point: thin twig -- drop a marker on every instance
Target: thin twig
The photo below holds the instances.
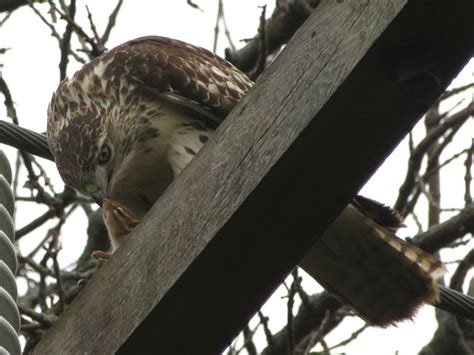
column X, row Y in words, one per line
column 65, row 42
column 194, row 5
column 468, row 175
column 318, row 334
column 417, row 222
column 351, row 338
column 86, row 207
column 435, row 119
column 7, row 16
column 96, row 50
column 56, row 205
column 455, row 91
column 249, row 345
column 290, row 317
column 432, row 165
column 286, row 18
column 460, row 274
column 263, row 47
column 28, row 327
column 111, row 23
column 20, row 233
column 39, row 246
column 449, row 160
column 42, row 269
column 16, row 176
column 63, row 5
column 266, row 329
column 434, row 203
column 457, row 244
column 11, row 112
column 227, row 31
column 325, row 347
column 35, row 266
column 54, row 33
column 216, row 27
column 57, row 274
column 53, row 231
column 93, row 28
column 42, row 318
column 44, row 175
column 416, row 158
column 42, row 287
column 447, row 232
column 221, row 17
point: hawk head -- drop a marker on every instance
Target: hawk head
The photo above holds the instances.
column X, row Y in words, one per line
column 112, row 126
column 93, row 130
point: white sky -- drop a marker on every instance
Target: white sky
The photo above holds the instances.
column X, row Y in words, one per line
column 31, row 70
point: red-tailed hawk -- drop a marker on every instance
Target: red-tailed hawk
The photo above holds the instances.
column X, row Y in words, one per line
column 131, row 120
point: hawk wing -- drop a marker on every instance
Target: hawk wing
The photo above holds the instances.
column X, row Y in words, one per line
column 184, row 74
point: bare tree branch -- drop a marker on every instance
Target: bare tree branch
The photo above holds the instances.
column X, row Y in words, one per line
column 468, row 175
column 65, row 43
column 112, row 21
column 447, row 232
column 285, row 20
column 193, row 5
column 420, row 151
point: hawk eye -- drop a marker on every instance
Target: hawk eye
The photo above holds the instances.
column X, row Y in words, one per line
column 104, row 155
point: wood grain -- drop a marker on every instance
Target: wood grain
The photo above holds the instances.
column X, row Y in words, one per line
column 277, row 172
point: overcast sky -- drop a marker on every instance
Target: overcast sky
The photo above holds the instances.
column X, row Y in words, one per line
column 30, row 68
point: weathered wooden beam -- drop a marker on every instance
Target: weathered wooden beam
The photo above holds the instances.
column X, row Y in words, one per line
column 277, row 172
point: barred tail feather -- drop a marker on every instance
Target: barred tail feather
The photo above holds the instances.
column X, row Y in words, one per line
column 383, row 278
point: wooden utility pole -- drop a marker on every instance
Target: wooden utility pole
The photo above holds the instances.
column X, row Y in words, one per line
column 286, row 161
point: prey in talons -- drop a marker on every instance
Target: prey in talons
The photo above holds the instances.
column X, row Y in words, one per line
column 120, row 221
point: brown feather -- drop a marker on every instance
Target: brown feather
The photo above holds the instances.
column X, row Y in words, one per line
column 383, row 278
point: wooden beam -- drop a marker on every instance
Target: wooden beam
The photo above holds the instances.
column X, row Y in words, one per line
column 238, row 219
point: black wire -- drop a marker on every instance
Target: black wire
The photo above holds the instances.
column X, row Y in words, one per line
column 25, row 140
column 456, row 302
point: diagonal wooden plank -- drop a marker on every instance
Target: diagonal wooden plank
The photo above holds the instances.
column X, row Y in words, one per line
column 278, row 171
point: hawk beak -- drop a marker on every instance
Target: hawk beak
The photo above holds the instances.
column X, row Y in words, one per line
column 98, row 199
column 96, row 194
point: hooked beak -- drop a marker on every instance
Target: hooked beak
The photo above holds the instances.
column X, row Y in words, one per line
column 96, row 194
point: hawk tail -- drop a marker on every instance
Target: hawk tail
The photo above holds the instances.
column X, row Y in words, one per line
column 382, row 277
